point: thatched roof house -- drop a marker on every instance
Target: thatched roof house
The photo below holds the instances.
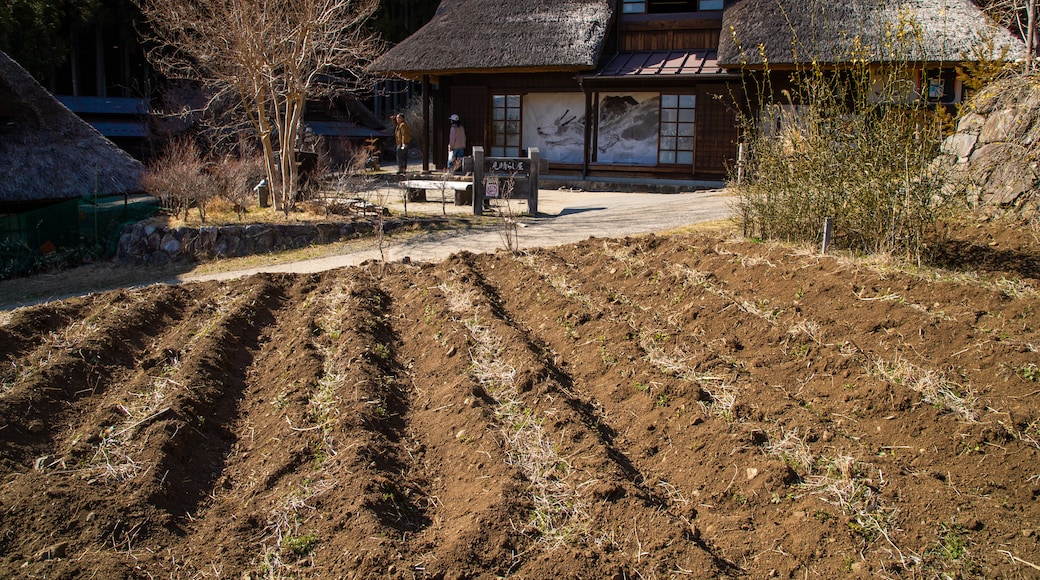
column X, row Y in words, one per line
column 47, row 152
column 489, row 36
column 789, row 32
column 644, row 88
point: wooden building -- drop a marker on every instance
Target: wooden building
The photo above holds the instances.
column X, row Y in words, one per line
column 600, row 87
column 47, row 153
column 642, row 88
column 925, row 39
column 49, row 160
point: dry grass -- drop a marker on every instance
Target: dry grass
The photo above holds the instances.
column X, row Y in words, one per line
column 794, row 451
column 688, row 276
column 558, row 281
column 934, row 387
column 809, row 328
column 560, row 512
column 844, row 483
column 324, row 402
column 284, row 545
column 113, row 458
column 721, row 393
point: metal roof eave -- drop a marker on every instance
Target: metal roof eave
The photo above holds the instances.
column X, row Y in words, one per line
column 665, row 67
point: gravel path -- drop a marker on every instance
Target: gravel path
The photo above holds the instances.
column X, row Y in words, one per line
column 565, row 217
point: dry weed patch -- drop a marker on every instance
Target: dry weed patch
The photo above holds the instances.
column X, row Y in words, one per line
column 558, row 282
column 934, row 387
column 844, row 483
column 793, row 450
column 721, row 393
column 560, row 514
column 284, row 544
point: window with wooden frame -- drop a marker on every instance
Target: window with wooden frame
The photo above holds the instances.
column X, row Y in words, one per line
column 668, row 6
column 940, row 86
column 506, row 128
column 678, row 120
column 633, row 7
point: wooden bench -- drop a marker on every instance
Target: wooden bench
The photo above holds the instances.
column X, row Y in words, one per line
column 417, row 188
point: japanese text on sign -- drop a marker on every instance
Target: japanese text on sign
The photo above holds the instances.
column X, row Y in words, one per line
column 508, row 166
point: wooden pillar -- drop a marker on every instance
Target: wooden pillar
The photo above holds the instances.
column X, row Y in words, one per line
column 586, row 154
column 532, row 179
column 426, row 123
column 478, row 180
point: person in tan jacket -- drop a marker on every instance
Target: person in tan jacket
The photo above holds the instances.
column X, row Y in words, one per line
column 402, row 137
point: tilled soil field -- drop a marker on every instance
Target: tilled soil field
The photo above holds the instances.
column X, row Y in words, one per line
column 690, row 406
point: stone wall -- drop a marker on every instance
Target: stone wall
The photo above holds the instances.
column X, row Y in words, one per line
column 150, row 244
column 994, row 156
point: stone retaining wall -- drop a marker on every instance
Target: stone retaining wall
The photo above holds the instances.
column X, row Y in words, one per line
column 150, row 244
column 994, row 156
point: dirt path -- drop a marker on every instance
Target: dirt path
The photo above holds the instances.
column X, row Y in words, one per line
column 565, row 217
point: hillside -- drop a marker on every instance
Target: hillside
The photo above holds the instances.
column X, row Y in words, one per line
column 679, row 406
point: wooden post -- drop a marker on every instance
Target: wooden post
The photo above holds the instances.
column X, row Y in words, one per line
column 1031, row 39
column 826, row 235
column 426, row 123
column 478, row 180
column 532, row 180
column 740, row 163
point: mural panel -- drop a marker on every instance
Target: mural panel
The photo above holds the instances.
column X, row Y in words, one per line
column 555, row 124
column 628, row 128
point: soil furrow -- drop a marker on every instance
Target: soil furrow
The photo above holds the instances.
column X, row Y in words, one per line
column 659, row 406
column 620, row 480
column 59, row 381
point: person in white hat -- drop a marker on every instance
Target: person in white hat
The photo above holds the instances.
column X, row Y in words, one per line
column 456, row 143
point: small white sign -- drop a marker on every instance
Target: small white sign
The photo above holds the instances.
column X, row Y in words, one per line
column 491, row 190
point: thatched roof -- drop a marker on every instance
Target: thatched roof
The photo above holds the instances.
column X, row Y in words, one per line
column 504, row 36
column 801, row 31
column 47, row 152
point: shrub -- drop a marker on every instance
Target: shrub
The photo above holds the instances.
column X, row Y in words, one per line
column 180, row 179
column 236, row 176
column 855, row 145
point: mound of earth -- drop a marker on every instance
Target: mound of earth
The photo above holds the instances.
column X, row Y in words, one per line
column 655, row 407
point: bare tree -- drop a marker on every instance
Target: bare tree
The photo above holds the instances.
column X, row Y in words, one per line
column 181, row 180
column 272, row 55
column 1020, row 17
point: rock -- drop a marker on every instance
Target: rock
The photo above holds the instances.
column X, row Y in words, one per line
column 971, row 124
column 960, row 145
column 1008, row 182
column 54, row 551
column 170, row 245
column 1002, row 126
